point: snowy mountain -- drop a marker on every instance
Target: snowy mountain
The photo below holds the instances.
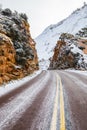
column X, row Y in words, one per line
column 49, row 37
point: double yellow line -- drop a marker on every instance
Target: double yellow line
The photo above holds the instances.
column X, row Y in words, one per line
column 55, row 110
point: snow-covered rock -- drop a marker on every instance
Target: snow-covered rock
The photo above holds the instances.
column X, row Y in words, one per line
column 68, row 54
column 18, row 56
column 49, row 37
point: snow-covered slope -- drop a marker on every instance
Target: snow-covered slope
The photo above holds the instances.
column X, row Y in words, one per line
column 47, row 40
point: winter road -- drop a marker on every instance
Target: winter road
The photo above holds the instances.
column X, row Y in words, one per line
column 53, row 100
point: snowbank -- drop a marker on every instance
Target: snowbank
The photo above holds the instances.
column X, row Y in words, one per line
column 16, row 83
column 77, row 71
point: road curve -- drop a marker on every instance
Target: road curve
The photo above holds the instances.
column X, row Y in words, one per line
column 53, row 100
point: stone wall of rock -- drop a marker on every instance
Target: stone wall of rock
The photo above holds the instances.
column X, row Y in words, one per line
column 68, row 53
column 18, row 56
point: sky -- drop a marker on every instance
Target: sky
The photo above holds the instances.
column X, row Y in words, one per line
column 42, row 13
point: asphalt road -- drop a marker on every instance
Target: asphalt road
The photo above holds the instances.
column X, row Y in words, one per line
column 53, row 100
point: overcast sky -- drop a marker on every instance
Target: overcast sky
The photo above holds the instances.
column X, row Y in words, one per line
column 42, row 13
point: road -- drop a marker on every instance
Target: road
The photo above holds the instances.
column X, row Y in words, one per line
column 53, row 100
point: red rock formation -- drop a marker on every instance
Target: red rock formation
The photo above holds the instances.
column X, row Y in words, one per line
column 18, row 56
column 83, row 43
column 68, row 54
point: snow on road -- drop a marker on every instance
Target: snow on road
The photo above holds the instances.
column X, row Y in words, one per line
column 77, row 71
column 42, row 119
column 13, row 110
column 16, row 83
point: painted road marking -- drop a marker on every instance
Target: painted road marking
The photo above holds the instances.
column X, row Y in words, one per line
column 54, row 117
column 62, row 113
column 55, row 110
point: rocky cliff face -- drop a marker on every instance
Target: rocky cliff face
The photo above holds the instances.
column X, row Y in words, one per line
column 69, row 53
column 18, row 56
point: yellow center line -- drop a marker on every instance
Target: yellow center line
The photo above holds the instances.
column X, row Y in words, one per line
column 62, row 113
column 54, row 117
column 55, row 110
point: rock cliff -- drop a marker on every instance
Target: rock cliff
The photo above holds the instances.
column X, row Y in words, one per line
column 69, row 53
column 18, row 56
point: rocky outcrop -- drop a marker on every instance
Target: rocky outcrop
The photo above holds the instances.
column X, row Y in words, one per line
column 18, row 56
column 82, row 35
column 68, row 53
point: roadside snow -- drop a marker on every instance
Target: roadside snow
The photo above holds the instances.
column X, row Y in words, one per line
column 77, row 71
column 16, row 83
